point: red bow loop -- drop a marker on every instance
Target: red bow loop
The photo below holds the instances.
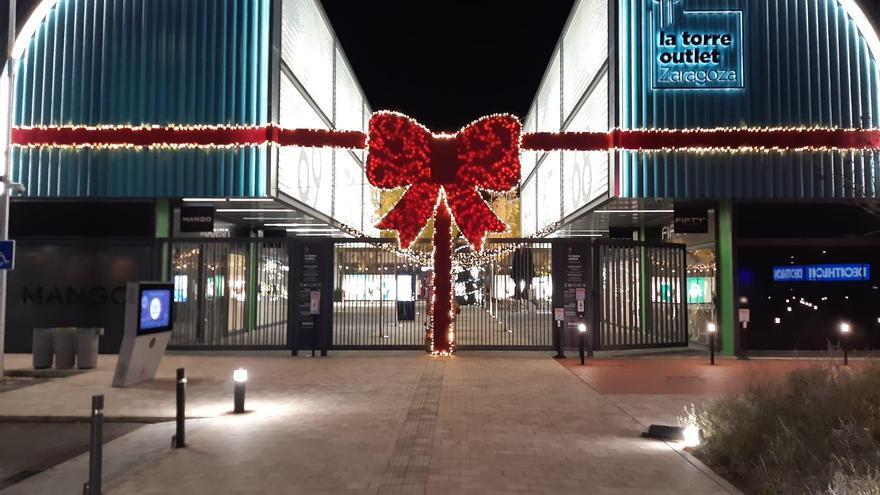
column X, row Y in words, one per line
column 484, row 155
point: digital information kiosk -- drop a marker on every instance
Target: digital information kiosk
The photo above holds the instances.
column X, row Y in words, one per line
column 149, row 320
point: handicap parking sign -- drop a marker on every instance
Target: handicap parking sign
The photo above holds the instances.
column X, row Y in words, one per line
column 7, row 255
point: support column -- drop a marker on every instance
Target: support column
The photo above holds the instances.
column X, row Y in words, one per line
column 644, row 283
column 163, row 232
column 253, row 266
column 725, row 293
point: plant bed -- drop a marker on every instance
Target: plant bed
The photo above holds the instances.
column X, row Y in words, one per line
column 818, row 431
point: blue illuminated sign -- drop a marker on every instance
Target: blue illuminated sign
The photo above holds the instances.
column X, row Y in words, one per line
column 849, row 272
column 696, row 49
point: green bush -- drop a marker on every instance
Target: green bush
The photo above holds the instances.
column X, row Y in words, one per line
column 818, row 431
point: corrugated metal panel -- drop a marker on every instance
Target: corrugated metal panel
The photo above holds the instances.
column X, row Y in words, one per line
column 805, row 65
column 98, row 62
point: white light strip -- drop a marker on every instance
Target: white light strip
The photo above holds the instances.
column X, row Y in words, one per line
column 295, row 225
column 241, row 200
column 30, row 27
column 263, row 219
column 313, row 230
column 866, row 29
column 252, row 210
column 634, row 211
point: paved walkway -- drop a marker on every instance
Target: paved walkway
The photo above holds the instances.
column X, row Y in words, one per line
column 378, row 423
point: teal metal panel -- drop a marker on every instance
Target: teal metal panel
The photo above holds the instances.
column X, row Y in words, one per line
column 804, row 64
column 133, row 62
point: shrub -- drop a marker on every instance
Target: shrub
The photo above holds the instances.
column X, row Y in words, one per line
column 818, row 431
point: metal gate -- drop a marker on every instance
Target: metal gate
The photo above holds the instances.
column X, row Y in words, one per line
column 506, row 302
column 640, row 300
column 230, row 294
column 380, row 298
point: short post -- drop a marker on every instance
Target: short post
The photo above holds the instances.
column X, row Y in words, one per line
column 180, row 436
column 712, row 329
column 582, row 330
column 314, row 333
column 96, row 444
column 240, row 377
column 845, row 331
column 560, row 345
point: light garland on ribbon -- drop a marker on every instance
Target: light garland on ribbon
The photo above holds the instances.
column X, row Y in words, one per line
column 693, row 140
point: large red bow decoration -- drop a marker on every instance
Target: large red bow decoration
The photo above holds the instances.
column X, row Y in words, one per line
column 482, row 156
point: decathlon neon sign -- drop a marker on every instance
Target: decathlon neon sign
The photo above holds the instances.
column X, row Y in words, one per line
column 696, row 49
column 859, row 272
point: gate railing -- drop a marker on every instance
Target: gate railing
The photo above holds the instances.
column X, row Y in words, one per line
column 230, row 293
column 640, row 300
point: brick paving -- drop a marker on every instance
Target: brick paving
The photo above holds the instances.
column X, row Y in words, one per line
column 371, row 423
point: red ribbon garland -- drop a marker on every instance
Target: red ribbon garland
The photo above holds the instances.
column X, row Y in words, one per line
column 196, row 136
column 635, row 140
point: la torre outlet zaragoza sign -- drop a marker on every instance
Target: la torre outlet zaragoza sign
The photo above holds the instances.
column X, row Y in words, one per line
column 696, row 49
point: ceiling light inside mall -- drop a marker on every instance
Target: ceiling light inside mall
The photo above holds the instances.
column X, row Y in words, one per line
column 315, row 225
column 253, row 210
column 634, row 211
column 251, row 200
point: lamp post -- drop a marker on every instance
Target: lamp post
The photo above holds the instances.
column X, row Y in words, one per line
column 240, row 377
column 5, row 182
column 582, row 332
column 712, row 329
column 845, row 331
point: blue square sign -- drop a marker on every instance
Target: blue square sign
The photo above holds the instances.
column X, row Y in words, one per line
column 7, row 255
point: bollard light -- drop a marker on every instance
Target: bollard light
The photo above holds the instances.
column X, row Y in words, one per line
column 712, row 329
column 845, row 331
column 582, row 331
column 240, row 377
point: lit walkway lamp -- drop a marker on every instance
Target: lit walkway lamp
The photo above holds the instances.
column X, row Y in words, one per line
column 240, row 377
column 712, row 329
column 582, row 331
column 845, row 332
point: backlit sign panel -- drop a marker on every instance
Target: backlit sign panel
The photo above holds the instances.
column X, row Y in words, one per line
column 845, row 272
column 696, row 49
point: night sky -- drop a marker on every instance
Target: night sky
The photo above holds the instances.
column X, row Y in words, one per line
column 446, row 62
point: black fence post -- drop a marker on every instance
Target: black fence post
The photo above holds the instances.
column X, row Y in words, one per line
column 179, row 440
column 96, row 444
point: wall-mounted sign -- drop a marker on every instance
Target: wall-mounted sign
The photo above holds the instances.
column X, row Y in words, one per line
column 196, row 218
column 691, row 220
column 847, row 272
column 696, row 49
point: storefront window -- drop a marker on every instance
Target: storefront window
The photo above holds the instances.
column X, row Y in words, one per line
column 700, row 288
column 799, row 295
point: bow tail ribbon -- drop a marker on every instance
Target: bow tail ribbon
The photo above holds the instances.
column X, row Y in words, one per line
column 410, row 215
column 472, row 215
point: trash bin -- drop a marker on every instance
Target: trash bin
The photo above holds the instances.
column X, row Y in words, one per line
column 87, row 347
column 42, row 348
column 64, row 344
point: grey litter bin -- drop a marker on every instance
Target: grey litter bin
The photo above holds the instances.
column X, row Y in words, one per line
column 64, row 343
column 87, row 347
column 42, row 348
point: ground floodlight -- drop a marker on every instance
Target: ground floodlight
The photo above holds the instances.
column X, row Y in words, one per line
column 691, row 436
